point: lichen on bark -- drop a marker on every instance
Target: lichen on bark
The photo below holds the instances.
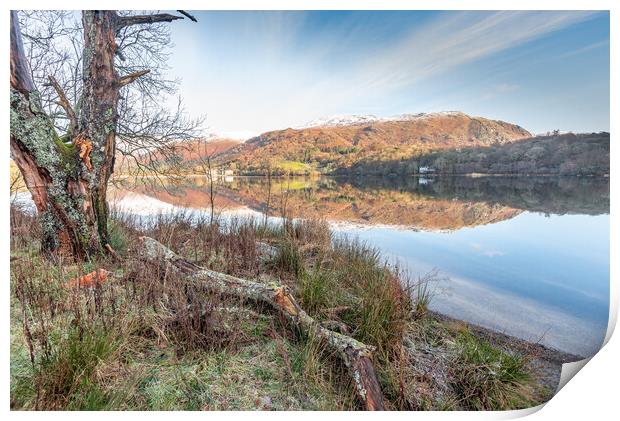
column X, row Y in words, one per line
column 68, row 181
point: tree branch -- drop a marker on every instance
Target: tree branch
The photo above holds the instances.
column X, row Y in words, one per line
column 140, row 19
column 187, row 15
column 21, row 78
column 120, row 55
column 64, row 103
column 125, row 80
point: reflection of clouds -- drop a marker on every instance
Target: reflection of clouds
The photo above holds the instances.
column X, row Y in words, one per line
column 486, row 252
column 516, row 316
column 493, row 253
column 143, row 205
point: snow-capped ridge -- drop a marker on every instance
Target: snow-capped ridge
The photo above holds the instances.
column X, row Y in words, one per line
column 351, row 120
column 340, row 120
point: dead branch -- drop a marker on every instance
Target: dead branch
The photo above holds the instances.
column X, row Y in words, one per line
column 125, row 80
column 64, row 103
column 355, row 355
column 187, row 15
column 142, row 19
column 113, row 253
column 21, row 79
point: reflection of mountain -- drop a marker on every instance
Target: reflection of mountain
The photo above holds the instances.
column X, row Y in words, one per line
column 345, row 204
column 553, row 195
column 194, row 195
column 445, row 203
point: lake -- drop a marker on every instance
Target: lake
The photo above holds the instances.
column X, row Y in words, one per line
column 528, row 256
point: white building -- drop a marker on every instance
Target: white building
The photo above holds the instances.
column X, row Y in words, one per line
column 426, row 170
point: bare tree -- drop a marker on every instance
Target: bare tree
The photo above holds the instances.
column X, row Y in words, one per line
column 83, row 90
column 205, row 161
column 268, row 202
column 284, row 198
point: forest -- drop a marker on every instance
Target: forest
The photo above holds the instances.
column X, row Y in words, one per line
column 562, row 154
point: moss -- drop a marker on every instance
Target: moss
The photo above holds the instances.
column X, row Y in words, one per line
column 69, row 154
column 118, row 236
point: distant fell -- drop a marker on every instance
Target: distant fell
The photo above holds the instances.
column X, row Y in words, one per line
column 340, row 143
column 188, row 156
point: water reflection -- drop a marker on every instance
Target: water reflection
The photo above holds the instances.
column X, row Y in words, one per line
column 446, row 203
column 529, row 256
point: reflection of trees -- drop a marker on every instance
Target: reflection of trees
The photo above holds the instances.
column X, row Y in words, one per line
column 442, row 203
column 555, row 195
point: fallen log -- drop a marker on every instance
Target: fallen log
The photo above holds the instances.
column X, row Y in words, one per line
column 356, row 356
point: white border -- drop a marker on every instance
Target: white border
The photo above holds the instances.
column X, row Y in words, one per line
column 591, row 395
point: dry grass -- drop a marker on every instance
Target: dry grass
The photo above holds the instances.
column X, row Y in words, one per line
column 143, row 341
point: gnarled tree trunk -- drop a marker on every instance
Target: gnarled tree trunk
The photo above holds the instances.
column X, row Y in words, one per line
column 68, row 176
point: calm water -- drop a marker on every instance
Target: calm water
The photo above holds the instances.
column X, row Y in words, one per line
column 527, row 256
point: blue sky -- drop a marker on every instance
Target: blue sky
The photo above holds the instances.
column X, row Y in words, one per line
column 250, row 72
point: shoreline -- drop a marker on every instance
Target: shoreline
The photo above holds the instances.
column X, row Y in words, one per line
column 512, row 342
column 545, row 361
column 352, row 175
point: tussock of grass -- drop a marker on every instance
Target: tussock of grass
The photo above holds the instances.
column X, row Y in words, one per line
column 318, row 291
column 486, row 377
column 65, row 376
column 289, row 259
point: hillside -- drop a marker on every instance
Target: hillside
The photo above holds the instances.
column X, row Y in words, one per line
column 448, row 143
column 180, row 157
column 338, row 145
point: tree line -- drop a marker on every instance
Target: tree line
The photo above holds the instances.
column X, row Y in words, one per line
column 559, row 154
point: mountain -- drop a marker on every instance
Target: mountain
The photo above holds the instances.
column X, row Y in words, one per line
column 187, row 156
column 195, row 150
column 339, row 143
column 348, row 120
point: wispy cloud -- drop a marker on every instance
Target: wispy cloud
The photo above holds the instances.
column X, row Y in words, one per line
column 506, row 87
column 499, row 89
column 456, row 39
column 582, row 50
column 281, row 75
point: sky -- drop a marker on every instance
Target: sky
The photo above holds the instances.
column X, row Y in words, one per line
column 251, row 72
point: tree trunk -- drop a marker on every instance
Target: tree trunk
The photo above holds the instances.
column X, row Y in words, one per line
column 356, row 356
column 68, row 177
